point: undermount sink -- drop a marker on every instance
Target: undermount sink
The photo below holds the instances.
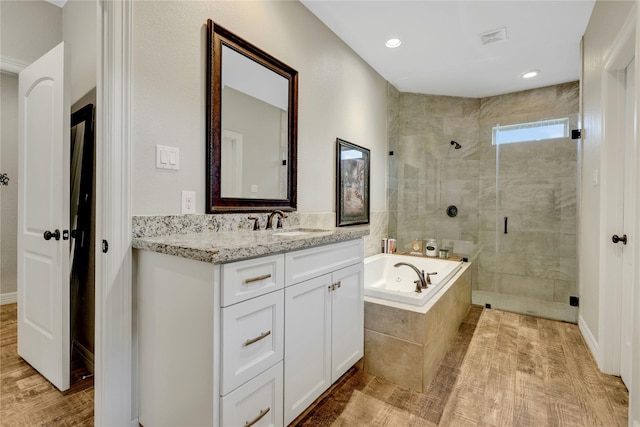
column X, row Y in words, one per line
column 297, row 232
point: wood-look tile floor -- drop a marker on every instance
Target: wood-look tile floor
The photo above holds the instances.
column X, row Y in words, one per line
column 26, row 397
column 503, row 369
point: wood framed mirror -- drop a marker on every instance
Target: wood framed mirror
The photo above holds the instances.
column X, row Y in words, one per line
column 252, row 117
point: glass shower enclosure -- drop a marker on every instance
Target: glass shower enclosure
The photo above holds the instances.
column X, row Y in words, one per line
column 529, row 260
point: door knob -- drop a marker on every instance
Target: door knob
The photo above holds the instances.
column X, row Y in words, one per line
column 615, row 239
column 48, row 235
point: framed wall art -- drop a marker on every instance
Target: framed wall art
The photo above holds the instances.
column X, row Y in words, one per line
column 352, row 184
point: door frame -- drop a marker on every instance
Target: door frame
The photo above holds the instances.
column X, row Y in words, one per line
column 607, row 348
column 115, row 392
column 611, row 194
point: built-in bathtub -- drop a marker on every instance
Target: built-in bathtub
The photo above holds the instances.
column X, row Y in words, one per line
column 405, row 341
column 383, row 280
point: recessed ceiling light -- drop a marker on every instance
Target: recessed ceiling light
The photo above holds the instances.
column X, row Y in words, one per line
column 530, row 74
column 391, row 43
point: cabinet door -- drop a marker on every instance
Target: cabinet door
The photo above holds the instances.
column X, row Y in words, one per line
column 307, row 348
column 347, row 343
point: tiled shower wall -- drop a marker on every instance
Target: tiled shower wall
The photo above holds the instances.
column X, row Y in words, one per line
column 532, row 269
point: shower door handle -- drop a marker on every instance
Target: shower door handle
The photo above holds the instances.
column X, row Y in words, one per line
column 615, row 239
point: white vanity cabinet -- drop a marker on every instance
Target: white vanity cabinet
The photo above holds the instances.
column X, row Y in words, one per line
column 250, row 342
column 324, row 324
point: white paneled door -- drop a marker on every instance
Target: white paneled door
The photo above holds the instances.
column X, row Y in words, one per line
column 43, row 216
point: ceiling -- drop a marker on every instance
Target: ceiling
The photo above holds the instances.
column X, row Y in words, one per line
column 442, row 52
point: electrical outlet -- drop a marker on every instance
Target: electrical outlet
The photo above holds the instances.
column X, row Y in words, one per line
column 188, row 202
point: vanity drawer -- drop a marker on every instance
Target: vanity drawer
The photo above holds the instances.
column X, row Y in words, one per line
column 258, row 402
column 243, row 280
column 306, row 264
column 252, row 339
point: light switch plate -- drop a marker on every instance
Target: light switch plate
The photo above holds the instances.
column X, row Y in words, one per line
column 167, row 157
column 188, row 202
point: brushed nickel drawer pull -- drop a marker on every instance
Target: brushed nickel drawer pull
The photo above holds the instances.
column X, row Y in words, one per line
column 258, row 418
column 338, row 284
column 256, row 339
column 257, row 279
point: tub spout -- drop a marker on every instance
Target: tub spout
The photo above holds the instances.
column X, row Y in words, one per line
column 421, row 283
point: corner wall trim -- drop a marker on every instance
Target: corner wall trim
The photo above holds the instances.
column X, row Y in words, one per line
column 592, row 343
column 12, row 65
column 8, row 298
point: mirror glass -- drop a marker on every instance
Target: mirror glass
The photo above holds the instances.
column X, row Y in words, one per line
column 252, row 135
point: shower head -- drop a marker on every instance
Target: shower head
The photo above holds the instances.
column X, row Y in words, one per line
column 456, row 145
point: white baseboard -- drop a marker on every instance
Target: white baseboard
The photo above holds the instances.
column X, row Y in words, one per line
column 135, row 422
column 8, row 298
column 85, row 355
column 589, row 338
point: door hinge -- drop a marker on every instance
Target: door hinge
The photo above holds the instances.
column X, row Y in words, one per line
column 576, row 133
column 105, row 246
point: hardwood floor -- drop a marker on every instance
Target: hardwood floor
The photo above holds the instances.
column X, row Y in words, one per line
column 503, row 369
column 26, row 397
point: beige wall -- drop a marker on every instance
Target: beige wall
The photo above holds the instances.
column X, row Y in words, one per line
column 339, row 96
column 9, row 194
column 606, row 19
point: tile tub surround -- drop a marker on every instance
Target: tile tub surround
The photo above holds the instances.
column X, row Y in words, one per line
column 405, row 344
column 202, row 243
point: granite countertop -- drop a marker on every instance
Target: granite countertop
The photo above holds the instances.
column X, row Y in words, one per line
column 229, row 246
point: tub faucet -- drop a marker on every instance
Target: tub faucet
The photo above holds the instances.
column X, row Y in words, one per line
column 421, row 283
column 270, row 219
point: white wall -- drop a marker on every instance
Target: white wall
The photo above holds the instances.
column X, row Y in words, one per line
column 28, row 29
column 339, row 96
column 607, row 18
column 79, row 33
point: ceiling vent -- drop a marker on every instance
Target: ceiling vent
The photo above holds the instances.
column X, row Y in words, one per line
column 494, row 36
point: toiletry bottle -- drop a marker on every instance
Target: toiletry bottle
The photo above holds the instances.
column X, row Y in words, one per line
column 432, row 247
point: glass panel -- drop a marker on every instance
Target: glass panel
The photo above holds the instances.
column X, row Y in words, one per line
column 535, row 240
column 533, row 131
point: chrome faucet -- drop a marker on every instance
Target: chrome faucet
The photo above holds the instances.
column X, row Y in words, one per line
column 421, row 283
column 270, row 219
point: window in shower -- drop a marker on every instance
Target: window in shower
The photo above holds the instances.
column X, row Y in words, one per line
column 532, row 131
